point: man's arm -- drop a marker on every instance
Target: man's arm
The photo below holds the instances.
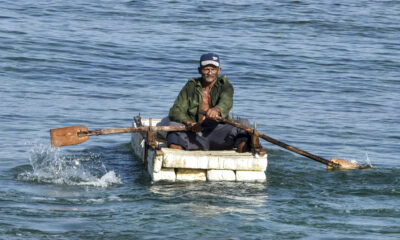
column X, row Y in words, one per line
column 178, row 111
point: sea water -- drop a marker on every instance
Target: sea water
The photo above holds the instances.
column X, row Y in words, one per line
column 320, row 75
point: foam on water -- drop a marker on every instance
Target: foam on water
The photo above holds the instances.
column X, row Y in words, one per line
column 53, row 165
column 106, row 180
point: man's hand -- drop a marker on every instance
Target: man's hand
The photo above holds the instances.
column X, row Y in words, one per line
column 193, row 126
column 213, row 113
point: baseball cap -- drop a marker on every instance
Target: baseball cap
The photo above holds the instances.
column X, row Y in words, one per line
column 209, row 58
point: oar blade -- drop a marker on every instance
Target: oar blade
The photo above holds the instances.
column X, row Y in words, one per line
column 344, row 164
column 67, row 136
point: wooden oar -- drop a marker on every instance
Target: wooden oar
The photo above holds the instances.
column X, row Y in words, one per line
column 334, row 163
column 79, row 134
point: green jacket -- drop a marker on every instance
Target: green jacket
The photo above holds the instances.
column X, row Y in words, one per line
column 189, row 101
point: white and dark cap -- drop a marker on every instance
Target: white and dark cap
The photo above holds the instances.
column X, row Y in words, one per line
column 209, row 58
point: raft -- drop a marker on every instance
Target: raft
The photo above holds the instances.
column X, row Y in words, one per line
column 166, row 164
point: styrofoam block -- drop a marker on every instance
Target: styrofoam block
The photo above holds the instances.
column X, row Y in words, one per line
column 154, row 121
column 221, row 175
column 165, row 174
column 191, row 175
column 138, row 144
column 224, row 160
column 158, row 159
column 150, row 163
column 250, row 176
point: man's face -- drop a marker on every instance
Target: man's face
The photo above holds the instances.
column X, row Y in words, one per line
column 209, row 73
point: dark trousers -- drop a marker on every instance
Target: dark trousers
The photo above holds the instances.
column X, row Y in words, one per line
column 213, row 136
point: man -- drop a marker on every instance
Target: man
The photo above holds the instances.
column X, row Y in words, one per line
column 214, row 95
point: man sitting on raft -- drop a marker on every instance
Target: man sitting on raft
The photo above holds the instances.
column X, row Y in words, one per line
column 211, row 94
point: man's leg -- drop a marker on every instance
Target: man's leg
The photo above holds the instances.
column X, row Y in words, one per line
column 242, row 138
column 225, row 136
column 187, row 140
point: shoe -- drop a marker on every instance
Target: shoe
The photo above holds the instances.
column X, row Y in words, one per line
column 242, row 147
column 175, row 146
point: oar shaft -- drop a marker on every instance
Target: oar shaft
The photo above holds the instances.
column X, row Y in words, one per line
column 79, row 134
column 130, row 130
column 281, row 144
column 297, row 150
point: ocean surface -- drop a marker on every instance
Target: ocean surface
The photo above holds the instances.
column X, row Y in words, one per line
column 323, row 76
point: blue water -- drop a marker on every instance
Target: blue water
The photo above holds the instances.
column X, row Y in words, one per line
column 320, row 75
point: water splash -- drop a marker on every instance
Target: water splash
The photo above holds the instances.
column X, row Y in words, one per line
column 364, row 164
column 53, row 165
column 367, row 160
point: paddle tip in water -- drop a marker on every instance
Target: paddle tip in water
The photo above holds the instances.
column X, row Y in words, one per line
column 345, row 165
